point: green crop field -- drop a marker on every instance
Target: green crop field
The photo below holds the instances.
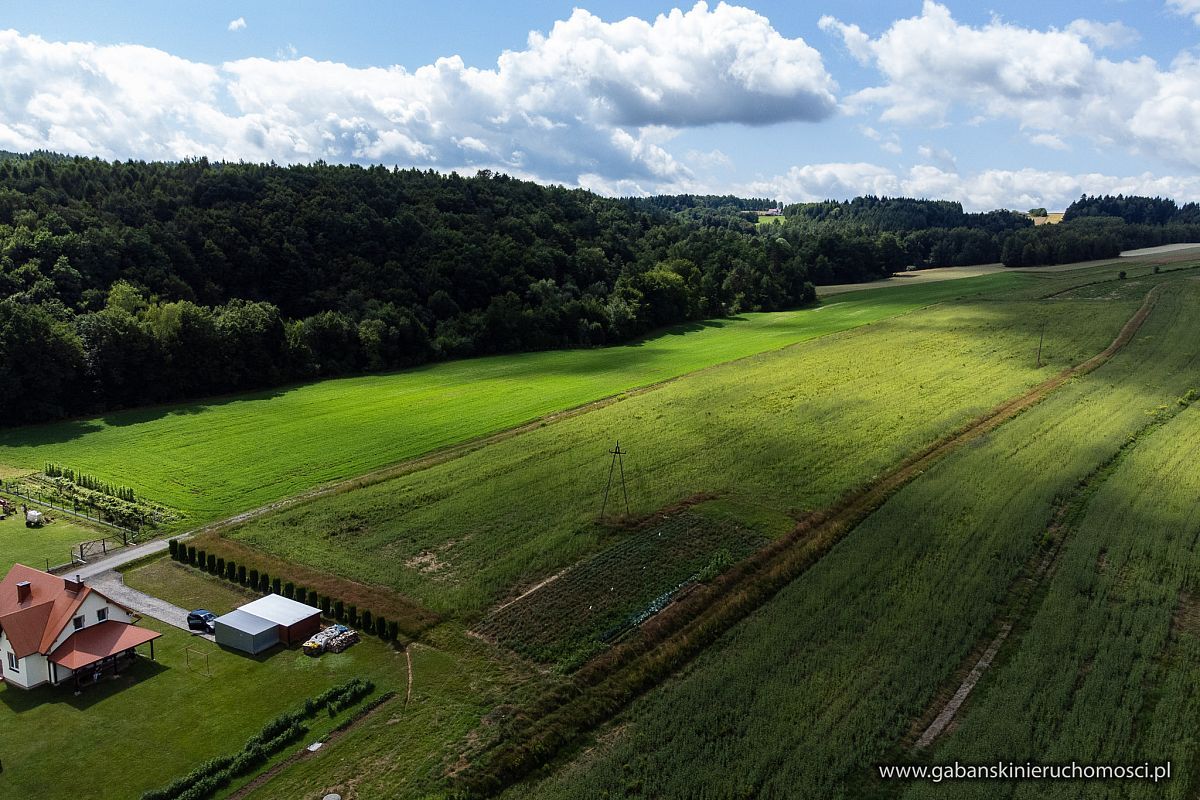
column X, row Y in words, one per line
column 571, row 617
column 1114, row 644
column 213, row 458
column 827, row 679
column 787, row 431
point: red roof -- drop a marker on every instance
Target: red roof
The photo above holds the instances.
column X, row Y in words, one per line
column 92, row 644
column 32, row 625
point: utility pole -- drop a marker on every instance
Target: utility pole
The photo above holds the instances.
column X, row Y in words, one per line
column 1041, row 338
column 618, row 462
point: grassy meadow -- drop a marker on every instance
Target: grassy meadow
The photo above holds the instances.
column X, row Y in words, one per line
column 787, row 431
column 824, row 681
column 213, row 458
column 49, row 545
column 160, row 719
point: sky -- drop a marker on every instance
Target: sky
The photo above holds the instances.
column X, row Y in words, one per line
column 1023, row 106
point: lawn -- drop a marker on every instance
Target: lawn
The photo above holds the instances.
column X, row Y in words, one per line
column 41, row 547
column 187, row 587
column 826, row 679
column 160, row 719
column 216, row 457
column 787, row 431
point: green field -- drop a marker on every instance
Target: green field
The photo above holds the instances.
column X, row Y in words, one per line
column 573, row 616
column 213, row 458
column 1115, row 641
column 162, row 718
column 41, row 547
column 786, row 432
column 827, row 679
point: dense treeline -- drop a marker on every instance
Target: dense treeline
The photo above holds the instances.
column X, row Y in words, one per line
column 129, row 283
column 1093, row 236
column 1133, row 209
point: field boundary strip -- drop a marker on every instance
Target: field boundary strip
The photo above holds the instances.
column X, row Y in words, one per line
column 670, row 640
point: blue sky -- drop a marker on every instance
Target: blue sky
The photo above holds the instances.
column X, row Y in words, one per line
column 994, row 106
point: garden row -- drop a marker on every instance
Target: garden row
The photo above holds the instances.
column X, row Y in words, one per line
column 264, row 583
column 214, row 774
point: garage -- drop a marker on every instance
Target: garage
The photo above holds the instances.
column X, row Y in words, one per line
column 296, row 621
column 246, row 632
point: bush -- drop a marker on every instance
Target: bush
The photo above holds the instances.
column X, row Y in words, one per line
column 339, row 611
column 352, row 616
column 254, row 584
column 191, row 555
column 220, row 570
column 201, row 559
column 264, row 583
column 393, row 630
column 212, row 563
column 1121, row 274
column 313, row 597
column 381, row 624
column 173, row 546
column 325, row 604
column 289, row 590
column 368, row 623
column 276, row 586
column 241, row 575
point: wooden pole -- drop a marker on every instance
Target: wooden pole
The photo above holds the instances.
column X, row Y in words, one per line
column 1041, row 339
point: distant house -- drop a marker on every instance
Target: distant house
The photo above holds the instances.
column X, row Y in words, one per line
column 53, row 629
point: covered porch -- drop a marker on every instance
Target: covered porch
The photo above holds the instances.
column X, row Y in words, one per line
column 92, row 653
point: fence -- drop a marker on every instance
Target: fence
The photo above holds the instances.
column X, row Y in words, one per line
column 128, row 534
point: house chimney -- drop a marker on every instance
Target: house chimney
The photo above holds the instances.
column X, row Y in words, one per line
column 24, row 591
column 73, row 585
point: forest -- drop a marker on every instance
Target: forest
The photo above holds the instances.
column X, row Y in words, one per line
column 131, row 283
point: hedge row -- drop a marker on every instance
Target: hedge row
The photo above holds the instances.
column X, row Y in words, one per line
column 216, row 773
column 262, row 582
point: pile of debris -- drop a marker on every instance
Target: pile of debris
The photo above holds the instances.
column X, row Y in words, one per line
column 333, row 639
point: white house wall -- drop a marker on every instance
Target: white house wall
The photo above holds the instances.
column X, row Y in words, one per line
column 34, row 669
column 91, row 604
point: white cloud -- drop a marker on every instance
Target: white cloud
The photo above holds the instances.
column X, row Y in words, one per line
column 1048, row 81
column 588, row 98
column 1104, row 34
column 237, row 24
column 1188, row 8
column 979, row 191
column 1048, row 140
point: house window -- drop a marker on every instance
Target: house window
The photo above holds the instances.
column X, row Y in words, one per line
column 78, row 622
column 102, row 614
column 13, row 663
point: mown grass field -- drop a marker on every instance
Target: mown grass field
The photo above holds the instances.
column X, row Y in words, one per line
column 828, row 678
column 214, row 458
column 161, row 719
column 787, row 432
column 41, row 547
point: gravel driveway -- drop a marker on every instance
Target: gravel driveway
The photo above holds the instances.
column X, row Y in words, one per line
column 112, row 585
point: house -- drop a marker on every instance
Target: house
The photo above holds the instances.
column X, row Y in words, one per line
column 261, row 624
column 53, row 629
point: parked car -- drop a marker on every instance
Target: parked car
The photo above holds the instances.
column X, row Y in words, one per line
column 201, row 620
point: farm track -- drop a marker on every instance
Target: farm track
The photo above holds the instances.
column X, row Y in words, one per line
column 1032, row 580
column 304, row 753
column 670, row 640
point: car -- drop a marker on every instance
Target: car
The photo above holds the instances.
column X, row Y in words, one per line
column 201, row 620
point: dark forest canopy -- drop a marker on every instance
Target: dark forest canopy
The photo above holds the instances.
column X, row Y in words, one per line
column 129, row 283
column 1133, row 209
